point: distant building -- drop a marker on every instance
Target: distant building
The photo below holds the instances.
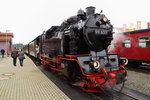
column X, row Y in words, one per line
column 6, row 41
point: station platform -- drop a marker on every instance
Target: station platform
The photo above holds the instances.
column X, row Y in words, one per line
column 26, row 83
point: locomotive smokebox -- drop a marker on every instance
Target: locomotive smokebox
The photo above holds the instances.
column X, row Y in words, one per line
column 90, row 10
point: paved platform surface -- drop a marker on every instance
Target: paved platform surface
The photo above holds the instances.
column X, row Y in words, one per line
column 26, row 83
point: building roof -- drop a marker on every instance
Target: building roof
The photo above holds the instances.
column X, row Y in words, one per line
column 6, row 36
column 136, row 31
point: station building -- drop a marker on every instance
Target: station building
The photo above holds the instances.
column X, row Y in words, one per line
column 6, row 41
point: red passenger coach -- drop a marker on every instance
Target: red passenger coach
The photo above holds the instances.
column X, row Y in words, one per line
column 134, row 45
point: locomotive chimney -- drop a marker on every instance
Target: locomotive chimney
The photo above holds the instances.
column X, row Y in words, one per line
column 90, row 10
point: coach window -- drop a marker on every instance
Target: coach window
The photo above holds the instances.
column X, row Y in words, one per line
column 126, row 43
column 144, row 42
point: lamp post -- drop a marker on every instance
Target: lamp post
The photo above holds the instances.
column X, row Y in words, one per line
column 7, row 31
column 6, row 44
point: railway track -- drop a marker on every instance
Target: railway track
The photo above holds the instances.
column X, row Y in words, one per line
column 141, row 69
column 111, row 94
column 135, row 94
column 125, row 94
column 115, row 95
column 133, row 97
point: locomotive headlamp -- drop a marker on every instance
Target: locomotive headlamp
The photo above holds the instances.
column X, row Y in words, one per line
column 105, row 19
column 94, row 64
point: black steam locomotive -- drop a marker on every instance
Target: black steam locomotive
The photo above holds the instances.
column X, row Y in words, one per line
column 78, row 50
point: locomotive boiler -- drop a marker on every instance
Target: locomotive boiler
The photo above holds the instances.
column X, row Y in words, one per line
column 80, row 34
column 78, row 50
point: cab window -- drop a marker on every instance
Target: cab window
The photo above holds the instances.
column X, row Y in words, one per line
column 126, row 43
column 144, row 42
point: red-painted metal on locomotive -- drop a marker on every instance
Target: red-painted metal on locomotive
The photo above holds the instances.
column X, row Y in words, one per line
column 90, row 82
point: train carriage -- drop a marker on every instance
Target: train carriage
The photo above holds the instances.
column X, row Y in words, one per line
column 25, row 49
column 134, row 45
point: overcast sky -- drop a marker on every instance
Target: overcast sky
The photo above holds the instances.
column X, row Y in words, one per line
column 29, row 18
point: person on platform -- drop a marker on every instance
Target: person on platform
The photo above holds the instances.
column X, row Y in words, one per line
column 2, row 52
column 21, row 57
column 14, row 55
